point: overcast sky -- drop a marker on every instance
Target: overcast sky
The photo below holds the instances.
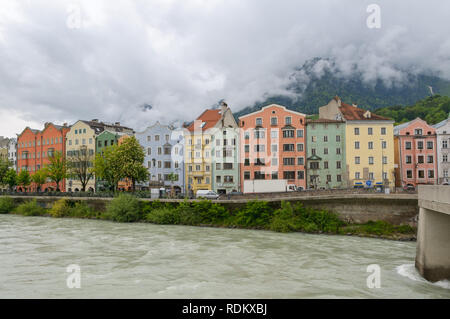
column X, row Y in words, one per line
column 61, row 61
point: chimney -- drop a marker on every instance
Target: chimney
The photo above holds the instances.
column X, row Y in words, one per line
column 65, row 124
column 94, row 120
column 117, row 123
column 354, row 105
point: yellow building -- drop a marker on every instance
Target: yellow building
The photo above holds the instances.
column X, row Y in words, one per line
column 198, row 157
column 369, row 143
column 82, row 138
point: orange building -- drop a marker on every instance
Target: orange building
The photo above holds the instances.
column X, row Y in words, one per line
column 273, row 145
column 34, row 148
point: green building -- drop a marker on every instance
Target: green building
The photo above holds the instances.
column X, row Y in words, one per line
column 325, row 152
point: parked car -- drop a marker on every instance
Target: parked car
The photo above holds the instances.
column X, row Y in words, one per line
column 409, row 188
column 208, row 194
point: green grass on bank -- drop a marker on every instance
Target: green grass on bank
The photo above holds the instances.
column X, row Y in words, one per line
column 255, row 214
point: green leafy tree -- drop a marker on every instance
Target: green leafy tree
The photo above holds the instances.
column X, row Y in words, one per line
column 10, row 179
column 81, row 165
column 172, row 177
column 39, row 178
column 131, row 156
column 108, row 167
column 24, row 179
column 5, row 164
column 57, row 168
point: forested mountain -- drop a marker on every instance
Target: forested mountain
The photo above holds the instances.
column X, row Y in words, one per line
column 316, row 89
column 433, row 109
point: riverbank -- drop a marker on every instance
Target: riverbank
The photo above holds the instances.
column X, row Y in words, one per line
column 256, row 214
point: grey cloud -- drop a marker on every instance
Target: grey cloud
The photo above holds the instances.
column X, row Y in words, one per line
column 182, row 56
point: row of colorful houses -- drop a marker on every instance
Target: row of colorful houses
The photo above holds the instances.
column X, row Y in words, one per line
column 345, row 147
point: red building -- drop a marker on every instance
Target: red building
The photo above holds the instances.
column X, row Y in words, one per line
column 34, row 148
column 273, row 145
column 415, row 153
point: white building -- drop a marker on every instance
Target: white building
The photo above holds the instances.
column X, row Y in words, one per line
column 163, row 146
column 443, row 150
column 12, row 152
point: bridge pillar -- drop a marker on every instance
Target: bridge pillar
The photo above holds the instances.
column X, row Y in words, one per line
column 433, row 235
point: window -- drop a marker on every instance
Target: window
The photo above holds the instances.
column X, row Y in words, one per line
column 247, row 148
column 299, row 133
column 167, row 137
column 421, row 174
column 339, row 178
column 313, row 151
column 273, row 121
column 274, row 161
column 300, row 161
column 357, row 160
column 275, row 175
column 338, row 138
column 260, row 161
column 149, row 138
column 370, row 160
column 430, row 159
column 246, row 135
column 167, row 150
column 356, row 131
column 418, row 131
column 357, row 145
column 445, row 158
column 420, row 159
column 288, row 120
column 289, row 175
column 159, row 164
column 328, row 178
column 325, row 151
column 357, row 175
column 218, row 179
column 274, row 134
column 259, row 175
column 299, row 147
column 371, row 176
column 246, row 175
column 288, row 147
column 383, row 131
column 300, row 174
column 274, row 148
column 370, row 131
column 159, row 150
column 338, row 164
column 247, row 162
column 408, row 145
column 167, row 164
column 338, row 151
column 289, row 161
column 260, row 148
column 258, row 121
column 227, row 165
column 409, row 173
column 313, row 139
column 157, row 138
column 383, row 144
column 444, row 144
column 408, row 159
column 370, row 145
column 325, row 138
column 314, row 165
column 420, row 145
column 430, row 173
column 430, row 145
column 288, row 133
column 325, row 165
column 259, row 134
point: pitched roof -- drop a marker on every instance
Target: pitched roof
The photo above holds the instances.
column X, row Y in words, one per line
column 353, row 113
column 99, row 127
column 442, row 123
column 309, row 121
column 209, row 117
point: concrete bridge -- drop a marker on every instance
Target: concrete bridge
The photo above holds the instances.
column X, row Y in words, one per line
column 433, row 235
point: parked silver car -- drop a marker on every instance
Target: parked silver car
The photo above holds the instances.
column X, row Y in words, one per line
column 208, row 194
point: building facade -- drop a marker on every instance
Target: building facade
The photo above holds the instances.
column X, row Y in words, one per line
column 104, row 140
column 164, row 155
column 81, row 138
column 415, row 153
column 12, row 152
column 34, row 148
column 443, row 151
column 4, row 148
column 209, row 164
column 369, row 144
column 273, row 145
column 325, row 151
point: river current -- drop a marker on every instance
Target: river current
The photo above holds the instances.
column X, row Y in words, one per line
column 150, row 261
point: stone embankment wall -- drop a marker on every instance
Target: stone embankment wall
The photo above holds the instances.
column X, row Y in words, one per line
column 358, row 208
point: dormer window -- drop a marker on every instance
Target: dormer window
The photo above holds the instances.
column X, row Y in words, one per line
column 418, row 131
column 367, row 115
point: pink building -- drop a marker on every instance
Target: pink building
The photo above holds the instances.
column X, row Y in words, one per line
column 273, row 145
column 415, row 153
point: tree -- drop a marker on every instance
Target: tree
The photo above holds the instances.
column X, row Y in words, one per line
column 172, row 177
column 39, row 178
column 57, row 168
column 132, row 156
column 5, row 164
column 10, row 179
column 81, row 165
column 108, row 167
column 24, row 179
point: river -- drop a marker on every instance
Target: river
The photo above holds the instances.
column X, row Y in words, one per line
column 150, row 261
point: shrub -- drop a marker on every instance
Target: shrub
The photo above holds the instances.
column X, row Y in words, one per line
column 6, row 205
column 82, row 210
column 30, row 208
column 283, row 219
column 188, row 214
column 60, row 208
column 124, row 208
column 163, row 216
column 255, row 213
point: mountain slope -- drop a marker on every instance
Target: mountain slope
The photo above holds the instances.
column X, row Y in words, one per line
column 321, row 86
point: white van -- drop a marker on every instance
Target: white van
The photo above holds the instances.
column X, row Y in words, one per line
column 204, row 193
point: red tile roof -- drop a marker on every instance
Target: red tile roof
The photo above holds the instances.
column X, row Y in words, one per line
column 352, row 113
column 210, row 117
